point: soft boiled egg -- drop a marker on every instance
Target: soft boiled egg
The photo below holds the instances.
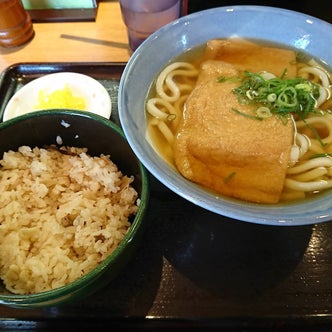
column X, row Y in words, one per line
column 64, row 90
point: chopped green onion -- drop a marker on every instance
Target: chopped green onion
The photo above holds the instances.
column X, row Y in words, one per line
column 263, row 112
column 320, row 155
column 314, row 131
column 222, row 79
column 171, row 117
column 287, row 98
column 247, row 115
column 303, row 86
column 281, row 95
column 272, row 97
column 229, row 177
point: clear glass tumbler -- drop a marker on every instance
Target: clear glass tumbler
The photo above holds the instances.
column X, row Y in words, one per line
column 143, row 17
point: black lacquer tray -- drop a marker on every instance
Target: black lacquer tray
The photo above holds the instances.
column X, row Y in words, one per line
column 195, row 270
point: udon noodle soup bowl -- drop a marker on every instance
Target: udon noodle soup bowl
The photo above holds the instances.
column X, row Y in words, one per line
column 100, row 136
column 278, row 26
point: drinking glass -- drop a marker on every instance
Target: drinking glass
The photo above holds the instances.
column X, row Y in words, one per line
column 143, row 17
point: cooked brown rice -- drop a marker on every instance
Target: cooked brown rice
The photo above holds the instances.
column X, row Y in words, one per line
column 61, row 214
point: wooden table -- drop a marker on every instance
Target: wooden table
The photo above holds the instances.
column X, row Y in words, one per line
column 104, row 40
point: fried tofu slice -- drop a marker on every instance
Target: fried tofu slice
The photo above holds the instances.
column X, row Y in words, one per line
column 246, row 55
column 218, row 147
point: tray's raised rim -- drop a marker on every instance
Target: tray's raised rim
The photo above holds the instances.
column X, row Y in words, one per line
column 43, row 68
column 55, row 66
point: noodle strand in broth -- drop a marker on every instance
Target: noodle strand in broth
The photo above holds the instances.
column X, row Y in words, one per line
column 167, row 107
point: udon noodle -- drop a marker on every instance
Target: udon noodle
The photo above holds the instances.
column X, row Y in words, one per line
column 167, row 107
column 310, row 167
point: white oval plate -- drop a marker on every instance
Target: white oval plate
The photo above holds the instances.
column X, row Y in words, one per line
column 25, row 100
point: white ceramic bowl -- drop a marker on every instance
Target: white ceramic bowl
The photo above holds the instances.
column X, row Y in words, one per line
column 289, row 28
column 65, row 85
